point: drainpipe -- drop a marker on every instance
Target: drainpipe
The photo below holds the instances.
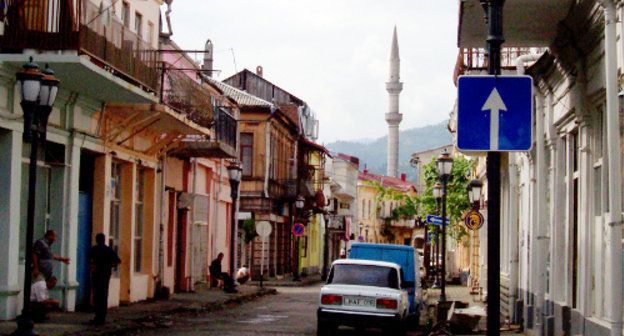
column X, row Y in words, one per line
column 614, row 217
column 539, row 181
column 513, row 236
column 542, row 222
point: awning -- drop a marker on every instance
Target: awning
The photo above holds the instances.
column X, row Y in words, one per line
column 162, row 124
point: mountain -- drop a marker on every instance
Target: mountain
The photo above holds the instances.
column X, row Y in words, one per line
column 373, row 154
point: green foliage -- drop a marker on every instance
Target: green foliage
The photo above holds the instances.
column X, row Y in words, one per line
column 456, row 197
column 249, row 229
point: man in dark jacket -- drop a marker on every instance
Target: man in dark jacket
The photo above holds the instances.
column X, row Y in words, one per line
column 102, row 259
column 215, row 271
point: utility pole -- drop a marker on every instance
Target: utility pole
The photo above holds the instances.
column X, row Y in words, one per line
column 494, row 12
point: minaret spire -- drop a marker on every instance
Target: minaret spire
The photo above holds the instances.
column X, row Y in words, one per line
column 393, row 117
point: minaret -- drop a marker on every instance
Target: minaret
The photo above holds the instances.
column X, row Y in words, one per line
column 393, row 117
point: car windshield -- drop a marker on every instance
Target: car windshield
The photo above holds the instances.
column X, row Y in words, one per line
column 365, row 275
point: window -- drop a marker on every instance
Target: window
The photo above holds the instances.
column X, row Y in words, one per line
column 125, row 14
column 365, row 275
column 246, row 153
column 115, row 207
column 138, row 221
column 138, row 24
column 363, row 208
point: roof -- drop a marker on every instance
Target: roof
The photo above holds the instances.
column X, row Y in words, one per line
column 387, row 181
column 366, row 262
column 385, row 246
column 314, row 145
column 242, row 98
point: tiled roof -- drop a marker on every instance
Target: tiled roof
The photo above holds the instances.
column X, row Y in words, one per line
column 387, row 181
column 242, row 98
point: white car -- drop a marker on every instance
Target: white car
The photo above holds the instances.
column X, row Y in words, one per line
column 364, row 293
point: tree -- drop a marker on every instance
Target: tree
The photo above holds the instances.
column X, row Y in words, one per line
column 456, row 197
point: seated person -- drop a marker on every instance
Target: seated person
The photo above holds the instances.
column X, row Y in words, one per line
column 215, row 271
column 40, row 299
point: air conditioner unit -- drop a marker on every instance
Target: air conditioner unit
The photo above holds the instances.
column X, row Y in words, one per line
column 185, row 200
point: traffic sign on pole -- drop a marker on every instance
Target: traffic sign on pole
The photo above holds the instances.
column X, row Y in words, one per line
column 494, row 113
column 437, row 220
column 298, row 229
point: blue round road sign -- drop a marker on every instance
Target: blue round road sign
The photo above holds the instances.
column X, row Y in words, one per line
column 298, row 229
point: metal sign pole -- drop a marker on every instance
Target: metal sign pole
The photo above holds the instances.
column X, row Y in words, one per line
column 262, row 263
column 494, row 40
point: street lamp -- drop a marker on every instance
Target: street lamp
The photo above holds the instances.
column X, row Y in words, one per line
column 325, row 247
column 444, row 165
column 299, row 203
column 474, row 192
column 437, row 194
column 235, row 173
column 37, row 93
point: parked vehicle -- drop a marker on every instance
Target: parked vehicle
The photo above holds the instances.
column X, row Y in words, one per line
column 364, row 293
column 404, row 256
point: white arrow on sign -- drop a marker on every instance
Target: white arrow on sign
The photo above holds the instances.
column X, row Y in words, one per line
column 494, row 103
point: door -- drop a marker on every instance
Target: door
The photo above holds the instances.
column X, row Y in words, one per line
column 85, row 206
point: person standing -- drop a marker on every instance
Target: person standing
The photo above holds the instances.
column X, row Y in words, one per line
column 43, row 256
column 101, row 259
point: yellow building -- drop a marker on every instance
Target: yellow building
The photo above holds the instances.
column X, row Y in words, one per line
column 372, row 227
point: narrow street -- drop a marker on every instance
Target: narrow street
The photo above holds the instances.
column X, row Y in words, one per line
column 291, row 312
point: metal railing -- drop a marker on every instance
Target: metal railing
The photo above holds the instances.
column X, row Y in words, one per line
column 79, row 25
column 476, row 59
column 225, row 127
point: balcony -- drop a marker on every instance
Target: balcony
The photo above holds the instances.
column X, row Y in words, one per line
column 475, row 59
column 56, row 25
column 222, row 141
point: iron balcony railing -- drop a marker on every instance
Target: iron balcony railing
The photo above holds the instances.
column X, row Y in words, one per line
column 82, row 26
column 477, row 59
column 225, row 127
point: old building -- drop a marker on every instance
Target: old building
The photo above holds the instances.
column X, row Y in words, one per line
column 561, row 258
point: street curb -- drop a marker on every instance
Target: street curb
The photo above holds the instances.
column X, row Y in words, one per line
column 163, row 320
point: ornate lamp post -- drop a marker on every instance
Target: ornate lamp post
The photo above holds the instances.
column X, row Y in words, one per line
column 444, row 165
column 325, row 247
column 299, row 203
column 437, row 194
column 474, row 193
column 38, row 93
column 235, row 173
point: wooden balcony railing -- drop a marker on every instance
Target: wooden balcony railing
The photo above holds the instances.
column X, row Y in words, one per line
column 79, row 25
column 188, row 97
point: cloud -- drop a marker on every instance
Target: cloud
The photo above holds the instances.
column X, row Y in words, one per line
column 334, row 54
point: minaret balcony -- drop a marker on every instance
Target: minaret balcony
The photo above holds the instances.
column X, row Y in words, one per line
column 394, row 87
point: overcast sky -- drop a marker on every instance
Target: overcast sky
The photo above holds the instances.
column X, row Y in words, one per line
column 334, row 54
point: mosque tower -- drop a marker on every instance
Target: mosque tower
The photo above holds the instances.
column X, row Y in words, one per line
column 393, row 117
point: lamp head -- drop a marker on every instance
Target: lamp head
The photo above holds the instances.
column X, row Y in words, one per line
column 235, row 171
column 29, row 82
column 300, row 202
column 444, row 165
column 49, row 87
column 474, row 190
column 437, row 190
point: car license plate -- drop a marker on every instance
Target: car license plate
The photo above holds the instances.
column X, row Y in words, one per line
column 358, row 301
